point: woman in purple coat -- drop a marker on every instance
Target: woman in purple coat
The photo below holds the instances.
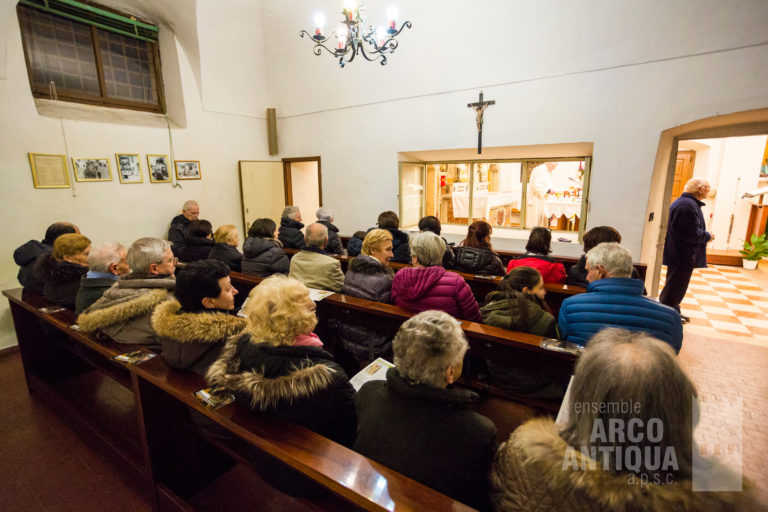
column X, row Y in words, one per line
column 429, row 286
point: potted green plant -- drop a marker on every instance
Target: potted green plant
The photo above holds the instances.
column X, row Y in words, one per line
column 754, row 250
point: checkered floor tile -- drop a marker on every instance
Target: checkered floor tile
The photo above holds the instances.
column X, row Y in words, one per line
column 723, row 300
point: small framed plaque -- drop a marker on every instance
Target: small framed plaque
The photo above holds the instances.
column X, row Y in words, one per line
column 187, row 169
column 92, row 169
column 128, row 168
column 158, row 169
column 49, row 171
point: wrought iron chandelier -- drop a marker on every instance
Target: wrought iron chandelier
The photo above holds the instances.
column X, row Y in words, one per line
column 356, row 36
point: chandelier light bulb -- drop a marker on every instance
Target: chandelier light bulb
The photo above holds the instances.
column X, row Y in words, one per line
column 350, row 4
column 381, row 34
column 319, row 20
column 392, row 13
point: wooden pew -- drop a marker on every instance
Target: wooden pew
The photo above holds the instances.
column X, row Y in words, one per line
column 480, row 285
column 485, row 341
column 166, row 440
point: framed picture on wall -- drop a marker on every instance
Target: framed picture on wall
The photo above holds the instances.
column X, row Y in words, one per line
column 49, row 171
column 187, row 169
column 92, row 169
column 158, row 169
column 128, row 168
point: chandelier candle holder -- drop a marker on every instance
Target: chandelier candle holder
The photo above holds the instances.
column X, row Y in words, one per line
column 355, row 36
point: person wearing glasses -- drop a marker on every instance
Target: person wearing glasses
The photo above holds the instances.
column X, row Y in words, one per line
column 123, row 313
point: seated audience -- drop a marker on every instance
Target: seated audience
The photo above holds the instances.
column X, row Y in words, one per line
column 199, row 242
column 475, row 254
column 432, row 223
column 519, row 305
column 400, row 240
column 325, row 217
column 368, row 277
column 26, row 255
column 427, row 285
column 61, row 270
column 179, row 229
column 312, row 265
column 415, row 424
column 106, row 263
column 290, row 228
column 613, row 299
column 536, row 255
column 355, row 244
column 227, row 239
column 582, row 464
column 577, row 274
column 193, row 327
column 263, row 253
column 278, row 365
column 123, row 313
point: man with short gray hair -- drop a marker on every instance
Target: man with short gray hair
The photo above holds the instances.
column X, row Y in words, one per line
column 614, row 299
column 312, row 266
column 106, row 262
column 290, row 228
column 179, row 229
column 325, row 217
column 123, row 313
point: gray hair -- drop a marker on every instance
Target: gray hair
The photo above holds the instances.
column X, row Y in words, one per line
column 693, row 184
column 145, row 251
column 428, row 248
column 616, row 260
column 623, row 376
column 189, row 204
column 324, row 213
column 290, row 212
column 426, row 345
column 104, row 255
column 316, row 236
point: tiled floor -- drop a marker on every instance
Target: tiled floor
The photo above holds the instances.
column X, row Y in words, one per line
column 728, row 302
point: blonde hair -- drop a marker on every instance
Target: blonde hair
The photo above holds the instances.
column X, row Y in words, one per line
column 277, row 311
column 69, row 245
column 225, row 233
column 374, row 240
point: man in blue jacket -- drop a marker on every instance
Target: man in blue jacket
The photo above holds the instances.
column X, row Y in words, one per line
column 686, row 245
column 614, row 299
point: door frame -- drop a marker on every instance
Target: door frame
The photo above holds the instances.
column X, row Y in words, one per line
column 287, row 178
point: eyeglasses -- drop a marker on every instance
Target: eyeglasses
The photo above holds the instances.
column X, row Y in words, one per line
column 174, row 260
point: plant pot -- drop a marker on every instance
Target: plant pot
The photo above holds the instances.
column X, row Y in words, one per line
column 750, row 264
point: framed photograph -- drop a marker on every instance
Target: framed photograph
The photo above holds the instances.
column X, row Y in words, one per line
column 92, row 169
column 158, row 169
column 49, row 171
column 187, row 169
column 128, row 168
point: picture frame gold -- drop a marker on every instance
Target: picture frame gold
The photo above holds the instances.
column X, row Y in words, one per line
column 158, row 169
column 129, row 168
column 92, row 169
column 187, row 169
column 49, row 171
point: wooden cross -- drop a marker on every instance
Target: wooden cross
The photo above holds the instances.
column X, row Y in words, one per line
column 480, row 107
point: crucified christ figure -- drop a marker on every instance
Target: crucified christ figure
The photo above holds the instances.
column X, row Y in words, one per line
column 480, row 107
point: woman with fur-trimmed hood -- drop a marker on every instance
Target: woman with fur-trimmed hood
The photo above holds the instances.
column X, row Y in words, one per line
column 193, row 327
column 123, row 313
column 625, row 445
column 279, row 366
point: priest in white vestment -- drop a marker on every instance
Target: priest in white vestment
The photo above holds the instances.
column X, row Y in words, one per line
column 539, row 187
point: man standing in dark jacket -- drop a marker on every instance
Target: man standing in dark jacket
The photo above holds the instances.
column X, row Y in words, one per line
column 25, row 255
column 180, row 224
column 686, row 245
column 290, row 228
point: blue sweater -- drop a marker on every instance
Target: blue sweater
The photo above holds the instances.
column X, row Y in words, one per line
column 618, row 302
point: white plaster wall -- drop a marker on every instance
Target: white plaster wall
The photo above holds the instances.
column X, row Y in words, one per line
column 110, row 210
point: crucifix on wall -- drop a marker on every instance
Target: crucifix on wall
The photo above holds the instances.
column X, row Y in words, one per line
column 480, row 107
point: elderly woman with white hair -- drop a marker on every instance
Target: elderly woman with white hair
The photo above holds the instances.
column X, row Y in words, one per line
column 325, row 217
column 626, row 443
column 429, row 286
column 416, row 424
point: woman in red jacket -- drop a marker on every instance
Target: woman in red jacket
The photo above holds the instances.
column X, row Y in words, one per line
column 537, row 256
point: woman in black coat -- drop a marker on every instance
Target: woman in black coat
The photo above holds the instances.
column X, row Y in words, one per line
column 199, row 242
column 475, row 254
column 227, row 239
column 61, row 270
column 263, row 253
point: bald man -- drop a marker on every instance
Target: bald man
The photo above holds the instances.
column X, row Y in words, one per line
column 686, row 245
column 312, row 265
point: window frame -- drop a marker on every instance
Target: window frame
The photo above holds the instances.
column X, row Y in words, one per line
column 523, row 203
column 74, row 96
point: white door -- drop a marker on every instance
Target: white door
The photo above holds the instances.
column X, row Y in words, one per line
column 263, row 191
